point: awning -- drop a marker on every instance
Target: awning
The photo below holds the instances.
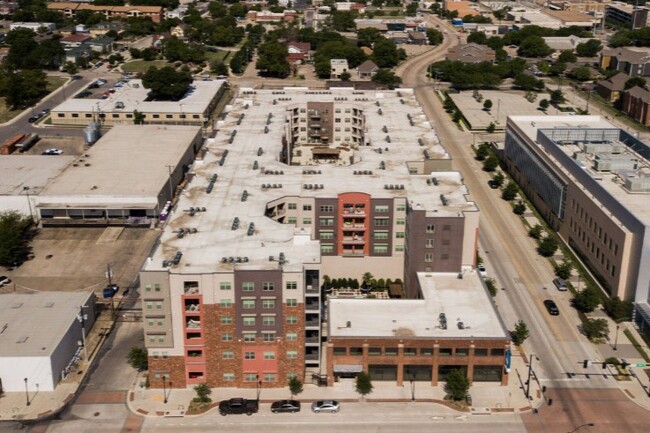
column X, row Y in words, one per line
column 348, row 368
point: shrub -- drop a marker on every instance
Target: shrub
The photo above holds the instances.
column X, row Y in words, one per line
column 563, row 270
column 586, row 300
column 203, row 392
column 548, row 246
column 535, row 232
column 595, row 329
column 617, row 309
column 520, row 334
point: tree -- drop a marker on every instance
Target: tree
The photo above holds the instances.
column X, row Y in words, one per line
column 203, row 392
column 138, row 358
column 567, row 56
column 448, row 105
column 595, row 329
column 22, row 88
column 15, row 233
column 581, row 73
column 519, row 208
column 138, row 117
column 498, row 179
column 345, row 76
column 482, row 152
column 534, row 46
column 586, row 300
column 635, row 81
column 368, row 36
column 149, row 54
column 71, row 68
column 491, row 164
column 557, row 97
column 528, row 82
column 520, row 334
column 218, row 67
column 343, row 21
column 272, row 60
column 510, row 191
column 385, row 53
column 618, row 309
column 434, row 36
column 563, row 270
column 491, row 128
column 366, row 280
column 166, row 84
column 364, row 384
column 477, row 38
column 544, row 104
column 591, row 48
column 457, row 384
column 387, row 78
column 295, row 386
column 487, row 105
column 535, row 232
column 548, row 246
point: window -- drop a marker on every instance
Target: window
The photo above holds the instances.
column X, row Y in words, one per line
column 291, row 285
column 61, row 114
column 249, row 355
column 399, row 248
column 269, row 377
column 326, row 234
column 426, row 352
column 249, row 321
column 292, row 320
column 381, row 208
column 168, row 116
column 390, row 351
column 327, row 248
column 381, row 222
column 428, row 257
column 226, row 337
column 228, row 377
column 269, row 355
column 306, row 207
column 374, row 351
column 497, row 352
column 356, row 351
column 462, row 352
column 226, row 320
column 410, row 351
column 399, row 235
column 292, row 336
column 428, row 243
column 226, row 303
column 147, row 288
column 75, row 115
column 380, row 249
column 431, row 228
column 224, row 286
column 400, row 208
column 291, row 220
column 250, row 377
column 268, row 320
column 268, row 303
column 268, row 337
column 227, row 354
column 248, row 336
column 400, row 221
column 327, row 208
column 446, row 351
column 292, row 354
column 480, row 352
column 156, row 116
column 292, row 302
column 306, row 221
column 342, row 351
column 327, row 222
column 248, row 304
column 292, row 206
column 156, row 287
column 380, row 235
column 268, row 286
column 248, row 286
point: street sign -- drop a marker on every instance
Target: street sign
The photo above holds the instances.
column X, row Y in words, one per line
column 640, row 365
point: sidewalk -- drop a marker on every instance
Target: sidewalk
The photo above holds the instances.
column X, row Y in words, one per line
column 487, row 398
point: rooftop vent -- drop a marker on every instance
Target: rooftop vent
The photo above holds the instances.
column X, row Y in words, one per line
column 444, row 200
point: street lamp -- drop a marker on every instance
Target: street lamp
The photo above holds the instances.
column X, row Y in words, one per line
column 616, row 339
column 27, row 393
column 591, row 424
column 165, row 395
column 530, row 372
column 29, row 202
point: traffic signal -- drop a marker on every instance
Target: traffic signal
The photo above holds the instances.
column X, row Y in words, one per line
column 624, row 363
column 586, row 363
column 604, row 365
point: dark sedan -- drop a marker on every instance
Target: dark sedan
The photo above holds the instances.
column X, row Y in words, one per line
column 552, row 308
column 290, row 406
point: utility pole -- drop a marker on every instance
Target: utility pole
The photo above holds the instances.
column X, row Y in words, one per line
column 530, row 373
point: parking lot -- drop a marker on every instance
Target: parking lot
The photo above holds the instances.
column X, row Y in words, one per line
column 100, row 87
column 69, row 145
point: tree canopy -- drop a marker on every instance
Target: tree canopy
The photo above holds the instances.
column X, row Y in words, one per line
column 386, row 54
column 534, row 46
column 387, row 78
column 166, row 84
column 434, row 36
column 22, row 88
column 272, row 60
column 590, row 48
column 457, row 384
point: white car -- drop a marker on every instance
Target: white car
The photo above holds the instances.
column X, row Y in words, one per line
column 4, row 281
column 331, row 406
column 482, row 270
column 53, row 152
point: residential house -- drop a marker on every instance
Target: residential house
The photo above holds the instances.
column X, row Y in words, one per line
column 367, row 69
column 102, row 45
column 338, row 67
column 100, row 29
column 417, row 38
column 612, row 88
column 299, row 52
column 75, row 40
column 634, row 61
column 636, row 104
column 77, row 54
column 471, row 53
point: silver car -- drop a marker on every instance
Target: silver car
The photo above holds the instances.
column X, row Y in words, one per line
column 331, row 406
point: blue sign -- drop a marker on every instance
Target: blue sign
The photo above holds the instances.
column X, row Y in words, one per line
column 508, row 360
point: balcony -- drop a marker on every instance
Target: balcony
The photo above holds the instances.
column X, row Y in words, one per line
column 192, row 308
column 193, row 324
column 312, row 340
column 312, row 289
column 348, row 212
column 355, row 240
column 311, row 357
column 353, row 253
column 312, row 323
column 313, row 306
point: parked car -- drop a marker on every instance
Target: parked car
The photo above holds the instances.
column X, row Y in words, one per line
column 33, row 118
column 560, row 284
column 291, row 406
column 552, row 307
column 52, row 152
column 4, row 281
column 84, row 94
column 238, row 406
column 331, row 406
column 481, row 270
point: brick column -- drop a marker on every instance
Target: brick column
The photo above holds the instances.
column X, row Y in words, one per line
column 436, row 364
column 470, row 363
column 364, row 357
column 399, row 362
column 330, row 364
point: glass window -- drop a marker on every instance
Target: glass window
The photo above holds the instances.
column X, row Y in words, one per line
column 229, row 377
column 291, row 220
column 306, row 221
column 268, row 286
column 480, row 352
column 380, row 248
column 227, row 354
column 268, row 320
column 291, row 285
column 428, row 257
column 226, row 337
column 250, row 377
column 249, row 321
column 426, row 351
column 249, row 355
column 400, row 221
column 399, row 235
column 292, row 206
column 268, row 336
column 225, row 286
column 226, row 303
column 400, row 208
column 431, row 228
column 410, row 351
column 248, row 336
column 327, row 208
column 292, row 354
column 374, row 351
column 380, row 235
column 462, row 352
column 390, row 351
column 356, row 351
column 292, row 302
column 381, row 222
column 429, row 243
column 269, row 355
column 248, row 286
column 381, row 208
column 340, row 351
column 399, row 248
column 497, row 352
column 327, row 222
column 327, row 248
column 292, row 320
column 306, row 207
column 269, row 377
column 268, row 303
column 292, row 336
column 226, row 320
column 446, row 351
column 248, row 304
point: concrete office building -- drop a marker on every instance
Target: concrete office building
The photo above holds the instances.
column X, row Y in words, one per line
column 296, row 185
column 589, row 179
column 41, row 337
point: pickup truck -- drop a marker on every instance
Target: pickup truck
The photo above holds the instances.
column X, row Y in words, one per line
column 238, row 406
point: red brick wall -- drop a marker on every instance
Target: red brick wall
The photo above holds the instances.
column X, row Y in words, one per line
column 174, row 367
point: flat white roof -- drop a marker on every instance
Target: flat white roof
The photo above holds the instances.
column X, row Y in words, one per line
column 461, row 300
column 202, row 251
column 32, row 171
column 133, row 95
column 128, row 164
column 33, row 324
column 636, row 203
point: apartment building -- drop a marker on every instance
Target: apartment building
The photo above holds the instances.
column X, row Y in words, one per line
column 69, row 10
column 296, row 185
column 588, row 179
column 630, row 16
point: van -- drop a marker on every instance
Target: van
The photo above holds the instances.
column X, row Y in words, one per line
column 560, row 284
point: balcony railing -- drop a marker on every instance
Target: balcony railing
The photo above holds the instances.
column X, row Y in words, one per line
column 353, row 253
column 312, row 307
column 192, row 308
column 311, row 357
column 312, row 323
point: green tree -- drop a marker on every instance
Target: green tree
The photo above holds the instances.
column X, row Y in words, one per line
column 218, row 67
column 548, row 246
column 520, row 334
column 71, row 68
column 581, row 73
column 492, row 286
column 343, row 21
column 345, row 76
column 366, row 280
column 448, row 105
column 15, row 234
column 635, row 81
column 138, row 117
column 385, row 53
column 557, row 97
column 387, row 78
column 203, row 392
column 457, row 384
column 295, row 386
column 149, row 54
column 595, row 330
column 368, row 36
column 535, row 232
column 563, row 270
column 534, row 46
column 487, row 105
column 510, row 191
column 591, row 48
column 434, row 36
column 544, row 104
column 491, row 128
column 528, row 82
column 364, row 384
column 477, row 38
column 567, row 56
column 22, row 88
column 519, row 208
column 166, row 84
column 586, row 300
column 272, row 60
column 482, row 152
column 498, row 179
column 138, row 358
column 491, row 163
column 411, row 9
column 618, row 309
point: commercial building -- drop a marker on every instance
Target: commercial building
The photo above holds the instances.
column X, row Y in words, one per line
column 194, row 108
column 630, row 16
column 453, row 325
column 589, row 180
column 297, row 185
column 127, row 177
column 42, row 338
column 70, row 9
column 596, row 7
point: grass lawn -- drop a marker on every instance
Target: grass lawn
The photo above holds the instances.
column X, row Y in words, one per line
column 142, row 65
column 54, row 83
column 221, row 54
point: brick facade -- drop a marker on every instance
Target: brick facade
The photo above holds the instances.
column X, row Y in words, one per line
column 172, row 367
